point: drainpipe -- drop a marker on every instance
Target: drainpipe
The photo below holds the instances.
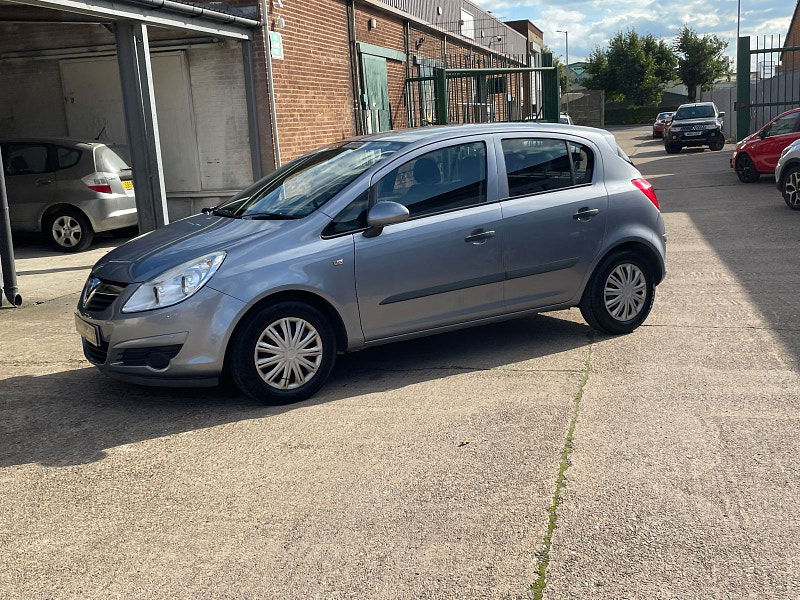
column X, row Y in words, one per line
column 276, row 145
column 354, row 70
column 9, row 273
column 192, row 10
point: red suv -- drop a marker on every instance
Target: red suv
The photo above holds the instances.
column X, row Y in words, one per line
column 757, row 154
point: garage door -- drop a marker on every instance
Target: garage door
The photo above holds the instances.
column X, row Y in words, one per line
column 94, row 108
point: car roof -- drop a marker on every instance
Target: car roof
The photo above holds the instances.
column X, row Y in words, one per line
column 444, row 132
column 697, row 104
column 62, row 141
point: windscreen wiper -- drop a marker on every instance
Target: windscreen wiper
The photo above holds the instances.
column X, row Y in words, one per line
column 221, row 212
column 269, row 216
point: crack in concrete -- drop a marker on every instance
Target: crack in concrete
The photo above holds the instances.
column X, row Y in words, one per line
column 734, row 327
column 538, row 586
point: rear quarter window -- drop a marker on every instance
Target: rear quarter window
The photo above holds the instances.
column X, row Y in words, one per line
column 67, row 157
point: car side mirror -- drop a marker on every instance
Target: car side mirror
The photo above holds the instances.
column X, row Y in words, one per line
column 762, row 134
column 383, row 214
column 722, row 114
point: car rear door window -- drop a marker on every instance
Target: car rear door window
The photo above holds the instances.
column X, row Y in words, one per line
column 536, row 165
column 443, row 180
column 25, row 159
column 582, row 163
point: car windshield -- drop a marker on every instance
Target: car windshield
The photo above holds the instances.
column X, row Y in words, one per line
column 695, row 112
column 300, row 187
column 663, row 115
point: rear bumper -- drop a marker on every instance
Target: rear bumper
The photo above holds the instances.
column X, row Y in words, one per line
column 111, row 211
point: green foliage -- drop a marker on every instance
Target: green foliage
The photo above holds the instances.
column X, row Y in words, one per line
column 634, row 69
column 700, row 60
column 640, row 115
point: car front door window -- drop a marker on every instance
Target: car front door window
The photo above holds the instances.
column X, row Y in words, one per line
column 443, row 180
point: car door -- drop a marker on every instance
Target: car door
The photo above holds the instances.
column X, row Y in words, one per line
column 554, row 216
column 30, row 183
column 443, row 265
column 782, row 132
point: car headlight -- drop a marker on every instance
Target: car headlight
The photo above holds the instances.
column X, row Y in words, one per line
column 175, row 285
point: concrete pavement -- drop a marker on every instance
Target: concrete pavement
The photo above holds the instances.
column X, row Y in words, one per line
column 428, row 469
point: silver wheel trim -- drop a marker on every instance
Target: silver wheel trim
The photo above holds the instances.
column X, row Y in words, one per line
column 625, row 292
column 288, row 353
column 67, row 231
column 792, row 188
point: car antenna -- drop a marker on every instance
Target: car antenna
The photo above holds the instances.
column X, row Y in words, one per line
column 101, row 133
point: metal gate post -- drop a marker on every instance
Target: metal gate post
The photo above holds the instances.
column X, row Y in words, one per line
column 440, row 91
column 742, row 88
column 551, row 96
column 8, row 272
column 136, row 77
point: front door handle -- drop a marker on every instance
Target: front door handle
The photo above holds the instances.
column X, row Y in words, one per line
column 43, row 181
column 479, row 236
column 585, row 213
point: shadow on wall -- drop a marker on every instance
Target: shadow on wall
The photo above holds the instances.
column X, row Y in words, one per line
column 72, row 417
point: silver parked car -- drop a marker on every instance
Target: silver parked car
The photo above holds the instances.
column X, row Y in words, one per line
column 67, row 189
column 378, row 239
column 787, row 175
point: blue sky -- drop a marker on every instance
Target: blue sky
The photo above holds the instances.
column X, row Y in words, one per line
column 591, row 23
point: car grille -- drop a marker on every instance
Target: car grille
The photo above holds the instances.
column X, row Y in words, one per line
column 103, row 296
column 95, row 354
column 141, row 357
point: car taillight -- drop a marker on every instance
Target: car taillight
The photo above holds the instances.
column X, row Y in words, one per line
column 98, row 182
column 647, row 189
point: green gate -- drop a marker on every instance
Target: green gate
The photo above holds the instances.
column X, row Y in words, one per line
column 375, row 100
column 767, row 81
column 482, row 95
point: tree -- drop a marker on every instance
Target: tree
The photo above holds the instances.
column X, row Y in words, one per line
column 634, row 68
column 700, row 60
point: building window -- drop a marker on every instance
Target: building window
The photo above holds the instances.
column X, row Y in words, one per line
column 467, row 25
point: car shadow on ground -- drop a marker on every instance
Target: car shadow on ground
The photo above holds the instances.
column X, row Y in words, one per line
column 72, row 417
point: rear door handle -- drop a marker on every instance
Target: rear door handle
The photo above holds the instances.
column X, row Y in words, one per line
column 585, row 213
column 479, row 236
column 43, row 181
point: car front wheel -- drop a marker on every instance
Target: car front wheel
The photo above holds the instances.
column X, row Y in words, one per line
column 791, row 187
column 68, row 230
column 746, row 169
column 672, row 148
column 718, row 145
column 283, row 353
column 619, row 294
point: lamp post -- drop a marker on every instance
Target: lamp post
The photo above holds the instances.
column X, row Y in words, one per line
column 566, row 52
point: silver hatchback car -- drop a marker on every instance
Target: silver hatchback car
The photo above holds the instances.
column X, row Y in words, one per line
column 67, row 189
column 378, row 239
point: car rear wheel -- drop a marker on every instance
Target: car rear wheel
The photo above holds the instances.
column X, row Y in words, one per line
column 68, row 230
column 672, row 148
column 790, row 187
column 283, row 353
column 619, row 294
column 746, row 169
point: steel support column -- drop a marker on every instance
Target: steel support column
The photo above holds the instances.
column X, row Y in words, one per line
column 8, row 272
column 138, row 98
column 742, row 88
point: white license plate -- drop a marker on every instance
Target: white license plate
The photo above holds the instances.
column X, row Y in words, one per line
column 688, row 133
column 87, row 331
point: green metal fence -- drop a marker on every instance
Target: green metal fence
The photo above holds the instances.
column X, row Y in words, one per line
column 483, row 95
column 767, row 81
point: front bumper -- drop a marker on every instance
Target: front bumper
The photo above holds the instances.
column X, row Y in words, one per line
column 181, row 345
column 703, row 139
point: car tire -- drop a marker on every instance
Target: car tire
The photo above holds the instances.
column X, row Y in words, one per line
column 608, row 312
column 283, row 377
column 790, row 187
column 673, row 148
column 746, row 169
column 68, row 230
column 717, row 146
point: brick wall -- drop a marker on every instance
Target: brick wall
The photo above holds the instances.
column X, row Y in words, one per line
column 314, row 100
